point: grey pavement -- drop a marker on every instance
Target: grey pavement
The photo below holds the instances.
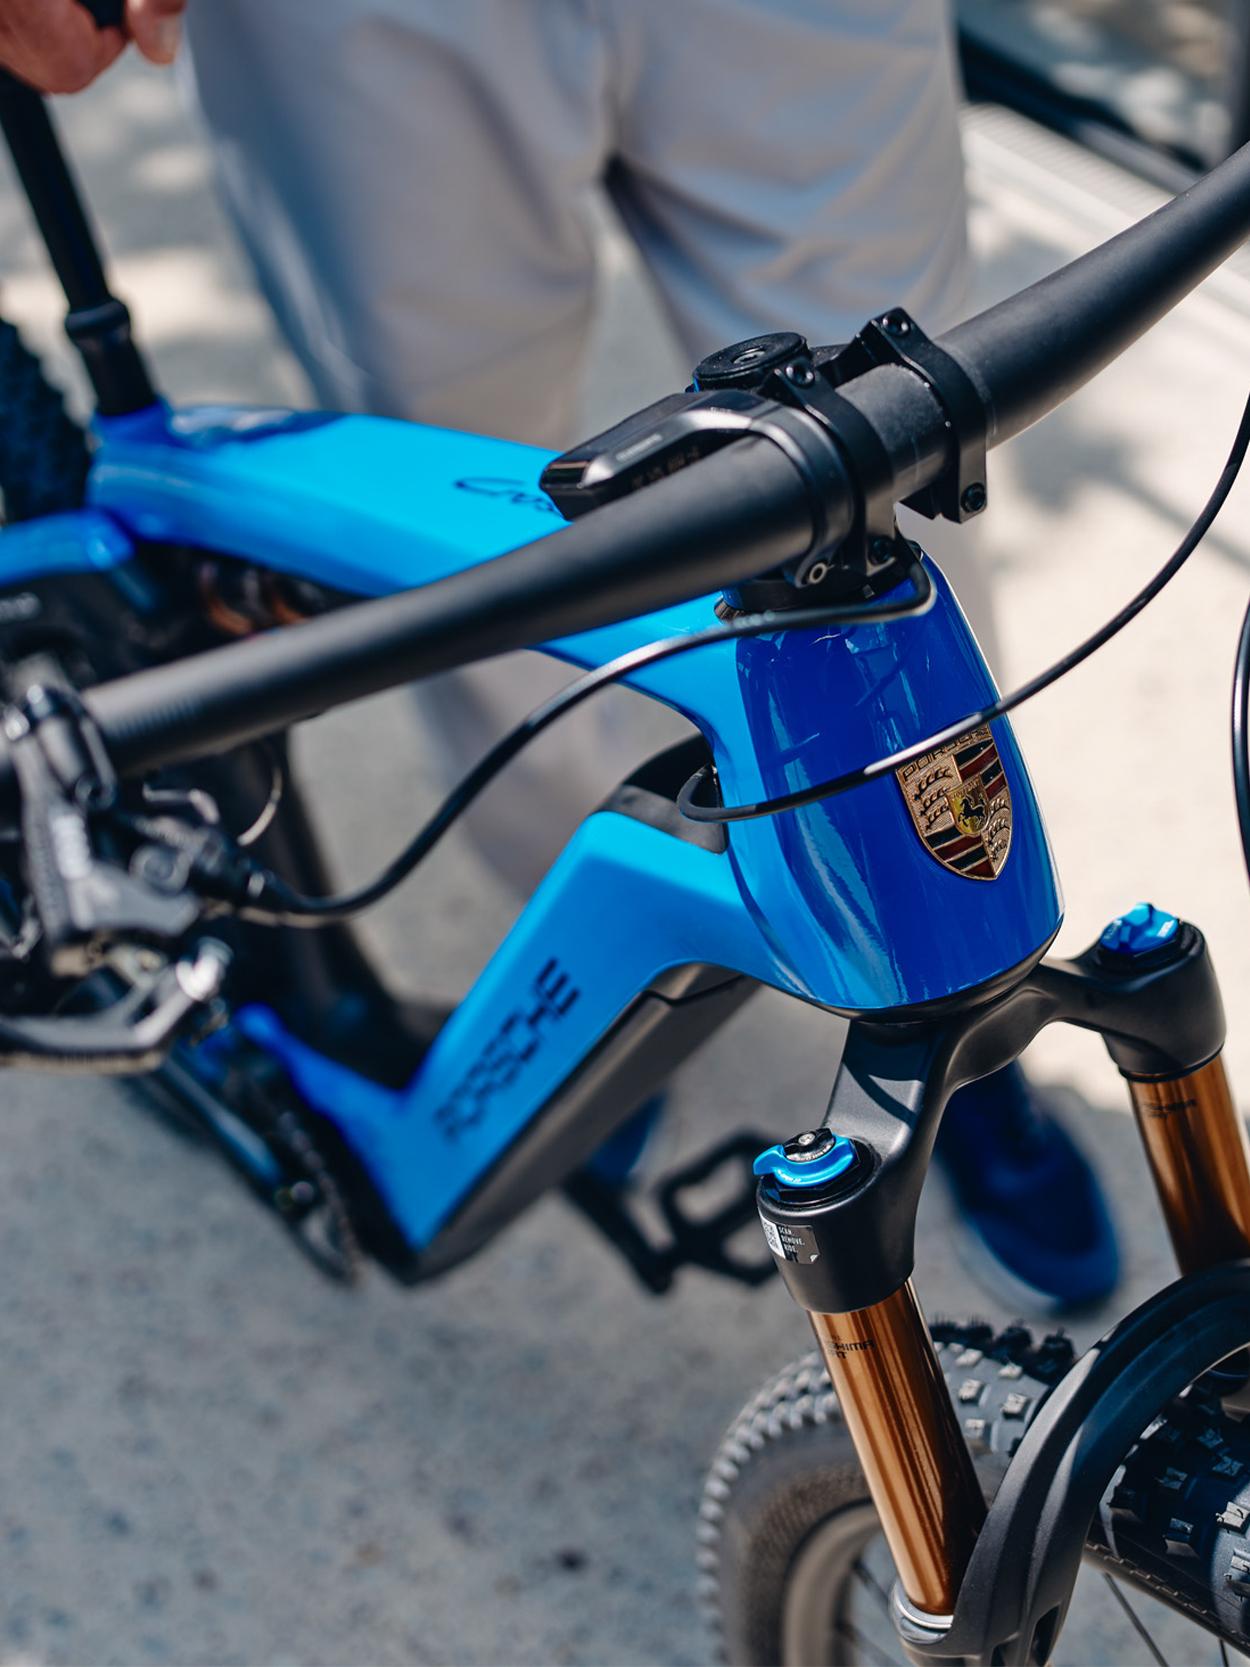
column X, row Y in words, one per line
column 209, row 1455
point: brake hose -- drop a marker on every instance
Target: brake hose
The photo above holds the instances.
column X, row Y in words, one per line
column 275, row 903
column 1241, row 736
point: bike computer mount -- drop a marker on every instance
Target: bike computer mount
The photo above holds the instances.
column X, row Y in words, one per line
column 779, row 387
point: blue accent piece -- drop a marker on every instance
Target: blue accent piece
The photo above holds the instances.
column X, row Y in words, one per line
column 858, row 912
column 364, row 504
column 1140, row 930
column 818, row 1173
column 81, row 541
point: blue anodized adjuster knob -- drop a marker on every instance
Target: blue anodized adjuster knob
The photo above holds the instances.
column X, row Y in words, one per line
column 810, row 1160
column 1139, row 930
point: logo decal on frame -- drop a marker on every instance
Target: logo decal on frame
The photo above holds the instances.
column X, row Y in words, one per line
column 960, row 804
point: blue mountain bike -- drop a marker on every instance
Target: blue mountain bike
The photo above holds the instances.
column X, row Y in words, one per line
column 852, row 824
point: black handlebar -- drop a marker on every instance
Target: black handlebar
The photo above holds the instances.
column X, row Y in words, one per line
column 727, row 518
column 741, row 512
column 1031, row 351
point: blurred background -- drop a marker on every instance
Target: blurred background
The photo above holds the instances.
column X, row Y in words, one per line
column 1161, row 86
column 211, row 1456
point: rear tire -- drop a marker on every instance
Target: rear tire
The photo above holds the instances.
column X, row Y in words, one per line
column 44, row 454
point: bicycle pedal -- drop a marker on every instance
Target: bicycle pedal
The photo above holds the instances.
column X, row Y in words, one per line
column 695, row 1238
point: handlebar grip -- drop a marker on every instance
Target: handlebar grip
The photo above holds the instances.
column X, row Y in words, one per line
column 108, row 14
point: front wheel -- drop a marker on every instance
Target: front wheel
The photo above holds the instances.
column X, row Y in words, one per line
column 794, row 1571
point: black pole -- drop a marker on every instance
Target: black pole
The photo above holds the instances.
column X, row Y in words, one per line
column 98, row 323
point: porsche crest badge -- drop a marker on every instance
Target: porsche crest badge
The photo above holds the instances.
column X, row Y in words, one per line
column 960, row 804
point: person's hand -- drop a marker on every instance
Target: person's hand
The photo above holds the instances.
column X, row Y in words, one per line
column 57, row 46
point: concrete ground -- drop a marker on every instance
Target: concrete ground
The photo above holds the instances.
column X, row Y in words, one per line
column 208, row 1455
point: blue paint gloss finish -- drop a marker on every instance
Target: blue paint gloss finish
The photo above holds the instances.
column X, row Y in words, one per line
column 839, row 903
column 363, row 504
column 81, row 541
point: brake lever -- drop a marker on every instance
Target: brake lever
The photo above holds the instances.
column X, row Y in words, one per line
column 133, row 1034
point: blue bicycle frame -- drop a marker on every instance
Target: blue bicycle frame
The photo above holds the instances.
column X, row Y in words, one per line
column 648, row 929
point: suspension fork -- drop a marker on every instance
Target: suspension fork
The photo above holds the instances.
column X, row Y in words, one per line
column 838, row 1204
column 839, row 1216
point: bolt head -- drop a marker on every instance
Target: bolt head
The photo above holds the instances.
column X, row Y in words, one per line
column 974, row 498
column 811, row 1144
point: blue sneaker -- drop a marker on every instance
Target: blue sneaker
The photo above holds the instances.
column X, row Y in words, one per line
column 617, row 1160
column 1028, row 1193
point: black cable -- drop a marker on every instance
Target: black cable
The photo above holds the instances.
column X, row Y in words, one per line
column 844, row 783
column 1241, row 736
column 276, row 904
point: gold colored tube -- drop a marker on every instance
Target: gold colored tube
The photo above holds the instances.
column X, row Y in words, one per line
column 1196, row 1145
column 894, row 1399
